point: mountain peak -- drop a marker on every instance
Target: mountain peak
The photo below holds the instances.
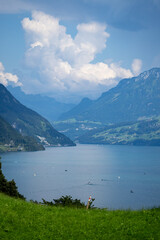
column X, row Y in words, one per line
column 131, row 99
column 152, row 72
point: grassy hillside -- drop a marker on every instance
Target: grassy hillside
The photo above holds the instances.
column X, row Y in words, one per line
column 73, row 128
column 144, row 132
column 11, row 140
column 24, row 220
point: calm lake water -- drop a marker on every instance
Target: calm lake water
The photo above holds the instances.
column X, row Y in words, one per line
column 118, row 177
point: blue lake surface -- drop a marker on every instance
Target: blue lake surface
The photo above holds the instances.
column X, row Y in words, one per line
column 118, row 177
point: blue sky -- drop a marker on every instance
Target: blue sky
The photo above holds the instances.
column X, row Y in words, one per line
column 71, row 49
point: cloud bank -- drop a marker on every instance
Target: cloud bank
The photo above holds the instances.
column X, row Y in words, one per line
column 16, row 6
column 8, row 78
column 62, row 63
column 120, row 14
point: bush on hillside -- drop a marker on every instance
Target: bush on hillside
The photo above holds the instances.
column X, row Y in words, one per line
column 67, row 201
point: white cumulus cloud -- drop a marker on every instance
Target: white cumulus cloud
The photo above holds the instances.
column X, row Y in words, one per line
column 63, row 63
column 136, row 66
column 6, row 78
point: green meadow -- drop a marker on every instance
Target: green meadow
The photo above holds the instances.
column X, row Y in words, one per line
column 21, row 220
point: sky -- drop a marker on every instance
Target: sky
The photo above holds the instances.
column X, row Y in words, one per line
column 70, row 49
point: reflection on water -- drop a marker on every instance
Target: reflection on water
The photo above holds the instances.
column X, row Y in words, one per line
column 116, row 176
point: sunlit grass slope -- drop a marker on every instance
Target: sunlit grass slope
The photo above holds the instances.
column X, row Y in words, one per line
column 22, row 220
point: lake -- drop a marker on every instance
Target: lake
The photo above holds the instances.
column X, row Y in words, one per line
column 118, row 177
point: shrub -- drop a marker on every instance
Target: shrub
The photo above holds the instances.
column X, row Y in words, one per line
column 8, row 187
column 66, row 201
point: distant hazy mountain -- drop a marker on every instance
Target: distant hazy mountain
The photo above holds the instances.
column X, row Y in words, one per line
column 130, row 100
column 77, row 110
column 145, row 132
column 46, row 106
column 11, row 140
column 28, row 122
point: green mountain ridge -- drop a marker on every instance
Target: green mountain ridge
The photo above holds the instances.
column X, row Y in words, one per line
column 28, row 122
column 73, row 128
column 145, row 132
column 11, row 140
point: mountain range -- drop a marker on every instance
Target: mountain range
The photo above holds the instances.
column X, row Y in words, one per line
column 28, row 122
column 119, row 116
column 114, row 117
column 130, row 100
column 46, row 106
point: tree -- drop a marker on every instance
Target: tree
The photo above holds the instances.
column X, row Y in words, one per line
column 8, row 187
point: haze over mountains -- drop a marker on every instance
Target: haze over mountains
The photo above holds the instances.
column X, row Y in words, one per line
column 46, row 106
column 28, row 122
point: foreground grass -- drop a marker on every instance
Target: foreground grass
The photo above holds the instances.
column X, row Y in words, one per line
column 21, row 220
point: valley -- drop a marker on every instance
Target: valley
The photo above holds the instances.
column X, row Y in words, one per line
column 127, row 114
